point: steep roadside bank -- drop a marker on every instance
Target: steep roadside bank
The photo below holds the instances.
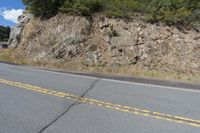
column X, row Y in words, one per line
column 112, row 45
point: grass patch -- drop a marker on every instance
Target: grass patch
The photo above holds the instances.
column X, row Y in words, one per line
column 13, row 57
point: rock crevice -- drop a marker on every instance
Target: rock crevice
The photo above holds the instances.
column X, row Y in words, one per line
column 110, row 42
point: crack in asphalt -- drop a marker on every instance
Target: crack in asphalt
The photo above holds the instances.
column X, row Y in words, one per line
column 75, row 103
column 91, row 87
column 48, row 125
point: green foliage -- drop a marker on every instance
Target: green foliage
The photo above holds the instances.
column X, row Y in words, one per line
column 43, row 8
column 168, row 11
column 120, row 8
column 117, row 8
column 174, row 11
column 84, row 7
column 4, row 33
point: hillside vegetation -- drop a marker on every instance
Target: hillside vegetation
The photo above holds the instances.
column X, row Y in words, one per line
column 4, row 33
column 171, row 12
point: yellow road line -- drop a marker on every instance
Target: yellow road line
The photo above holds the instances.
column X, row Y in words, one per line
column 118, row 107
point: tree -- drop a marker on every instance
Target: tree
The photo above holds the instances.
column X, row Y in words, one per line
column 4, row 33
column 171, row 12
column 84, row 7
column 43, row 8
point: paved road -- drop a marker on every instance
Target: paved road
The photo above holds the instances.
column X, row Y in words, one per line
column 38, row 101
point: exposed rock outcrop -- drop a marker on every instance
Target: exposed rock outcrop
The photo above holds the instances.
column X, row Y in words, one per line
column 15, row 33
column 111, row 42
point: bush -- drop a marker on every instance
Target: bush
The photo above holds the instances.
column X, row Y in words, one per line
column 84, row 7
column 120, row 8
column 43, row 8
column 171, row 12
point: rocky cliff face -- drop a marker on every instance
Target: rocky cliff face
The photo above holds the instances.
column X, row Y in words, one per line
column 111, row 42
column 15, row 33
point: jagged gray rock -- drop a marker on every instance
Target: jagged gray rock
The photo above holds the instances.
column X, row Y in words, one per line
column 112, row 42
column 15, row 33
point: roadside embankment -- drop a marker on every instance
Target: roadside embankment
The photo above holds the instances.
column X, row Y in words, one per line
column 102, row 44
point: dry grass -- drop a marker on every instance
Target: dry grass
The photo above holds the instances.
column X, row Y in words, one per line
column 132, row 71
column 5, row 55
column 10, row 55
column 13, row 57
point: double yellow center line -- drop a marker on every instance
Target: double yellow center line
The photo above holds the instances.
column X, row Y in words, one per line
column 118, row 107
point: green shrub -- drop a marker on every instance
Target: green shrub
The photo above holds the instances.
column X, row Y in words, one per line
column 120, row 8
column 84, row 7
column 43, row 8
column 171, row 12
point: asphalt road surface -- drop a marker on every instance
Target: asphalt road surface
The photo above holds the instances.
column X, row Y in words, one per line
column 39, row 101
